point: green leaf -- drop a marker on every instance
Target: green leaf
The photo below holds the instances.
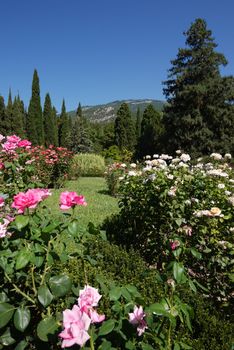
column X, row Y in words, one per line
column 46, row 327
column 50, row 227
column 6, row 313
column 126, row 294
column 3, row 297
column 22, row 259
column 196, row 253
column 176, row 346
column 106, row 345
column 6, row 338
column 22, row 318
column 178, row 271
column 158, row 309
column 146, row 346
column 21, row 345
column 115, row 293
column 60, row 285
column 107, row 327
column 192, row 286
column 130, row 345
column 73, row 228
column 44, row 295
column 185, row 346
column 21, row 221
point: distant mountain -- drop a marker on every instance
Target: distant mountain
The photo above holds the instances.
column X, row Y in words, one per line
column 108, row 112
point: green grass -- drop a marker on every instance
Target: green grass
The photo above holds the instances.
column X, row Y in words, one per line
column 94, row 189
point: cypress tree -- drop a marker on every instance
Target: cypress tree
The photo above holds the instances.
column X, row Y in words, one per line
column 35, row 127
column 125, row 136
column 18, row 118
column 9, row 115
column 49, row 124
column 64, row 127
column 199, row 117
column 55, row 121
column 138, row 123
column 4, row 127
column 80, row 136
column 151, row 130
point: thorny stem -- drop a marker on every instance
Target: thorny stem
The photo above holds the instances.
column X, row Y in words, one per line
column 18, row 290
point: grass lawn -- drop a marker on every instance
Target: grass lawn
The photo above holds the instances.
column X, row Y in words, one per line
column 94, row 189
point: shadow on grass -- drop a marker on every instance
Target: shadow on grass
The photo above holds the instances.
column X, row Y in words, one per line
column 106, row 192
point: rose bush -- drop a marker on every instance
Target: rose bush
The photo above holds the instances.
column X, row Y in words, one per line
column 171, row 207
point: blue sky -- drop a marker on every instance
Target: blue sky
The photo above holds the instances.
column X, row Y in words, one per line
column 97, row 51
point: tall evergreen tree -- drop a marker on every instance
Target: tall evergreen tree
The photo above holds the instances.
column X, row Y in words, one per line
column 55, row 121
column 49, row 124
column 80, row 136
column 199, row 117
column 4, row 125
column 35, row 126
column 18, row 118
column 9, row 114
column 138, row 123
column 64, row 132
column 125, row 135
column 151, row 131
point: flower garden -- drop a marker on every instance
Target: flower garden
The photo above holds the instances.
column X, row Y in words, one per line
column 156, row 275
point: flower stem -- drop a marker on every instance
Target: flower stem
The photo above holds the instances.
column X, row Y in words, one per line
column 19, row 291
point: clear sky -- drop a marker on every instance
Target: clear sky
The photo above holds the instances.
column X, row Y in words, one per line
column 97, row 51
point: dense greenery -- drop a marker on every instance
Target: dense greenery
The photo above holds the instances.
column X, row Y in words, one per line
column 200, row 115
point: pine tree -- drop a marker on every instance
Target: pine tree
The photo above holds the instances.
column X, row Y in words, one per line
column 64, row 132
column 55, row 121
column 9, row 115
column 49, row 124
column 125, row 136
column 4, row 125
column 18, row 118
column 199, row 117
column 151, row 131
column 138, row 123
column 35, row 127
column 80, row 136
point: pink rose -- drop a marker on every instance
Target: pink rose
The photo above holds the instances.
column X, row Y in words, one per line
column 25, row 144
column 1, row 201
column 29, row 199
column 95, row 317
column 137, row 318
column 174, row 244
column 9, row 147
column 13, row 139
column 2, row 166
column 76, row 324
column 88, row 298
column 70, row 199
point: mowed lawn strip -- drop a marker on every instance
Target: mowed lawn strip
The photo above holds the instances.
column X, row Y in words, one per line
column 99, row 203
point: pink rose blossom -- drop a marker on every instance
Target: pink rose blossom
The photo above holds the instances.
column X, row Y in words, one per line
column 13, row 139
column 29, row 199
column 70, row 199
column 2, row 166
column 76, row 324
column 88, row 298
column 95, row 317
column 25, row 144
column 137, row 318
column 9, row 147
column 174, row 244
column 1, row 201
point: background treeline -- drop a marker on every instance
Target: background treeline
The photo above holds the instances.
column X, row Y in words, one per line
column 198, row 116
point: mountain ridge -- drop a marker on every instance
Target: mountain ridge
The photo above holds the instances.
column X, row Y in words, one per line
column 107, row 112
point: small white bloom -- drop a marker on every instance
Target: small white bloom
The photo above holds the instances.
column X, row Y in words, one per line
column 170, row 176
column 216, row 156
column 221, row 186
column 123, row 165
column 155, row 156
column 185, row 157
column 132, row 173
column 228, row 156
column 133, row 165
column 147, row 157
column 178, row 151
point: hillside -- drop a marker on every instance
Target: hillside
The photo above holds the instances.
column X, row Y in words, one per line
column 107, row 112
